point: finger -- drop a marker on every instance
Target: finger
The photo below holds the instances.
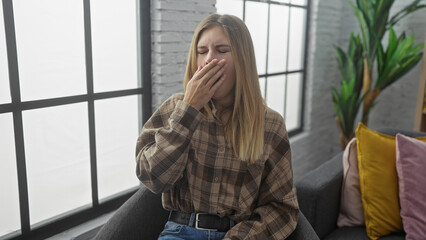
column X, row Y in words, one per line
column 217, row 84
column 216, row 77
column 211, row 74
column 208, row 67
column 197, row 72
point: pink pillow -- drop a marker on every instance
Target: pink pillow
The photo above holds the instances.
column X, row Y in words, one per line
column 351, row 210
column 411, row 169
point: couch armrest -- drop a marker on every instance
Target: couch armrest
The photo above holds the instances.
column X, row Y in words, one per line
column 318, row 193
column 141, row 217
column 303, row 230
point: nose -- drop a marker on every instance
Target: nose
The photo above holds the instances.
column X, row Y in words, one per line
column 210, row 56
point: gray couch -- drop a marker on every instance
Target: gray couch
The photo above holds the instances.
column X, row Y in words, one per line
column 318, row 194
column 143, row 217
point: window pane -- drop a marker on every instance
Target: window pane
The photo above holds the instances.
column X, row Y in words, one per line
column 299, row 2
column 275, row 96
column 9, row 200
column 57, row 156
column 50, row 44
column 297, row 40
column 233, row 7
column 4, row 71
column 117, row 129
column 294, row 100
column 282, row 1
column 114, row 43
column 257, row 22
column 277, row 57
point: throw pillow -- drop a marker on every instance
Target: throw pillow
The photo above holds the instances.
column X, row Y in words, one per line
column 378, row 182
column 411, row 169
column 351, row 211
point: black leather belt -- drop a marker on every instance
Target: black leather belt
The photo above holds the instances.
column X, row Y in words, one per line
column 202, row 221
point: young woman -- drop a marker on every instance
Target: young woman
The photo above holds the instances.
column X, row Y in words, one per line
column 219, row 156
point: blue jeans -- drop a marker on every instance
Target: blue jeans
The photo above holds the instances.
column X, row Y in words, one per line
column 175, row 231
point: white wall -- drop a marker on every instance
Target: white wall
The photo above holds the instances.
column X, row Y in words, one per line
column 320, row 139
column 397, row 104
column 172, row 26
column 331, row 22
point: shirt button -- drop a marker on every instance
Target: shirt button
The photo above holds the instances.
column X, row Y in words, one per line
column 221, row 149
column 216, row 179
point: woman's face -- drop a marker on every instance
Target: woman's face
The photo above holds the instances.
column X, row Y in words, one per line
column 213, row 44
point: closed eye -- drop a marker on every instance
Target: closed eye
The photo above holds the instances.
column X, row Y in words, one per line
column 202, row 50
column 223, row 48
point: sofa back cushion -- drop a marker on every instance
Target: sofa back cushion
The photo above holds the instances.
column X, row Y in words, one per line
column 378, row 182
column 351, row 211
column 411, row 169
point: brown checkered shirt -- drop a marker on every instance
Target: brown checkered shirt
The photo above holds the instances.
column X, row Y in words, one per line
column 182, row 153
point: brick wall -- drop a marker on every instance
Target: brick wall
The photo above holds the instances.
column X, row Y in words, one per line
column 173, row 23
column 397, row 104
column 319, row 140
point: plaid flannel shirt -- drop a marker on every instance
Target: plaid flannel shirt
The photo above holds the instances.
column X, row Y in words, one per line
column 182, row 153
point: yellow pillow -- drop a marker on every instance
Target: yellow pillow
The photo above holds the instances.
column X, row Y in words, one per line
column 378, row 181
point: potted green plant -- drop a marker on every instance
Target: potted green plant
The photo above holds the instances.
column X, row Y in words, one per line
column 356, row 64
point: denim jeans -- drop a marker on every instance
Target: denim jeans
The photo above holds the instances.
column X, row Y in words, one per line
column 175, row 231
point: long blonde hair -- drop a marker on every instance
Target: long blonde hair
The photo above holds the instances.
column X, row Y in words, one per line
column 244, row 132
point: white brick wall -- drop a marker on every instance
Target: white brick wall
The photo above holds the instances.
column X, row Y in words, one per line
column 397, row 104
column 173, row 23
column 320, row 138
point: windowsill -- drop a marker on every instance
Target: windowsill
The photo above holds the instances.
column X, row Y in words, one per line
column 299, row 136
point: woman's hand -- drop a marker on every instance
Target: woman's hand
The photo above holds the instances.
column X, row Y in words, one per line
column 204, row 83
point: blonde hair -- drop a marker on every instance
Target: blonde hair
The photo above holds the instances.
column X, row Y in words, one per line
column 244, row 132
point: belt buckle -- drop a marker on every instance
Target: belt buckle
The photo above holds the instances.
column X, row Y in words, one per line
column 197, row 220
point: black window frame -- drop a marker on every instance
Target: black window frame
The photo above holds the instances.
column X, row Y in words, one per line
column 97, row 208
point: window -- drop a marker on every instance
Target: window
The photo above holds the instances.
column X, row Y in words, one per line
column 278, row 30
column 75, row 89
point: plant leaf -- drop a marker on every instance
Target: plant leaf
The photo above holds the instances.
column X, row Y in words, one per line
column 410, row 8
column 392, row 44
column 380, row 59
column 365, row 34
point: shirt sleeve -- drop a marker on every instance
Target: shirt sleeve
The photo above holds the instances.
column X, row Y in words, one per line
column 162, row 147
column 277, row 210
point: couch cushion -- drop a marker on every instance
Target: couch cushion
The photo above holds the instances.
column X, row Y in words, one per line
column 358, row 233
column 393, row 132
column 351, row 211
column 411, row 169
column 378, row 181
